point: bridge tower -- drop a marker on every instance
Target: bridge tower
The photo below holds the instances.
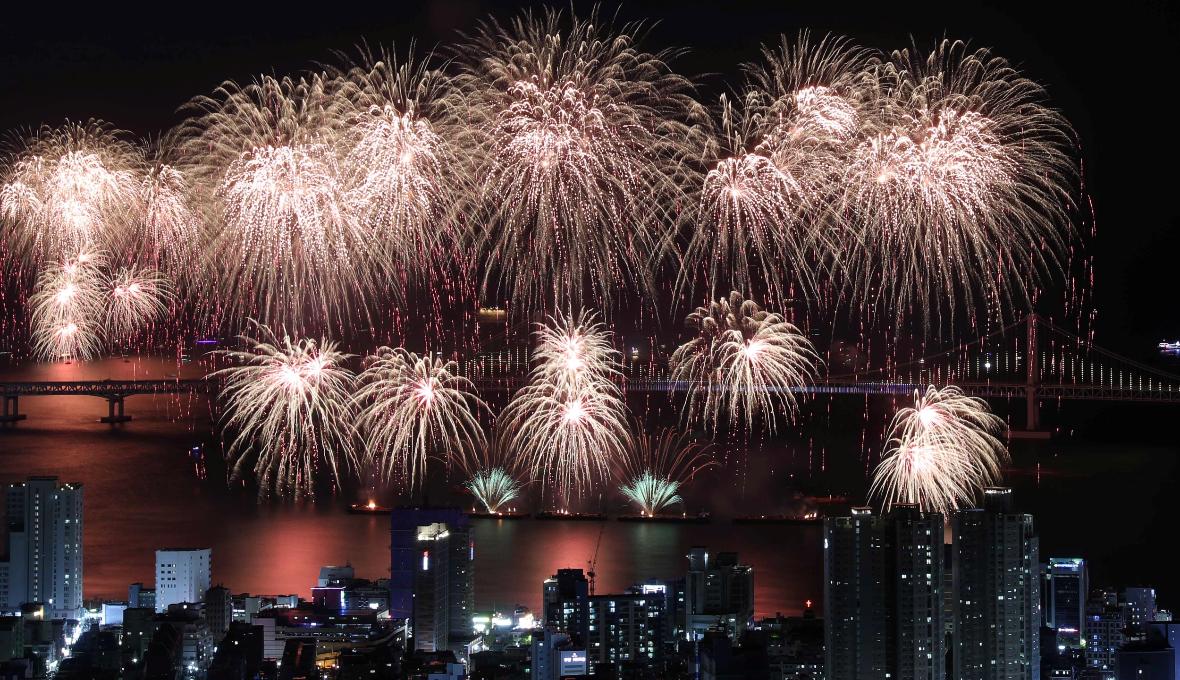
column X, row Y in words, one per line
column 1033, row 378
column 11, row 411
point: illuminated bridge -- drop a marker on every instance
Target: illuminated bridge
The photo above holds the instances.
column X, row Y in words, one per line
column 997, row 366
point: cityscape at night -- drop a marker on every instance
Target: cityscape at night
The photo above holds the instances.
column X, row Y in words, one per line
column 510, row 340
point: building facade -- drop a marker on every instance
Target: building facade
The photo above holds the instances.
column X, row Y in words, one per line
column 626, row 630
column 566, row 605
column 44, row 547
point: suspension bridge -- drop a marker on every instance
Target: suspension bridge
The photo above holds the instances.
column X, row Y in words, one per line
column 1032, row 360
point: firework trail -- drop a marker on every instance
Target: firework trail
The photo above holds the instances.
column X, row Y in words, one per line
column 70, row 188
column 416, row 407
column 282, row 242
column 568, row 426
column 288, row 407
column 580, row 140
column 959, row 189
column 744, row 364
column 66, row 307
column 941, row 452
column 658, row 466
column 402, row 178
column 764, row 217
column 136, row 297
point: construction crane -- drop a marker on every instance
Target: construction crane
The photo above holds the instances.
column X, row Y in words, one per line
column 590, row 573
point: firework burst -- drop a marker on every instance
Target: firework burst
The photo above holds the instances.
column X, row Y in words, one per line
column 941, row 452
column 66, row 307
column 568, row 426
column 171, row 228
column 417, row 407
column 960, row 187
column 573, row 350
column 136, row 297
column 658, row 466
column 282, row 242
column 70, row 188
column 493, row 488
column 743, row 364
column 581, row 139
column 763, row 216
column 403, row 180
column 288, row 407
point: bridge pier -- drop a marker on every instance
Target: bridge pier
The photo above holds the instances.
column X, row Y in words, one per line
column 11, row 412
column 115, row 411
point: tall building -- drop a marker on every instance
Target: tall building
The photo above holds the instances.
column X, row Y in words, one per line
column 997, row 598
column 883, row 595
column 565, row 605
column 1140, row 607
column 1105, row 625
column 431, row 576
column 44, row 547
column 1063, row 590
column 627, row 630
column 718, row 594
column 182, row 575
column 219, row 611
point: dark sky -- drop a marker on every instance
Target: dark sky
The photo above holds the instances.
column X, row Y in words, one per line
column 1111, row 71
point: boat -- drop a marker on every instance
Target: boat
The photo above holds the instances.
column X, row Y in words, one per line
column 805, row 519
column 571, row 516
column 370, row 508
column 1166, row 346
column 507, row 514
column 699, row 518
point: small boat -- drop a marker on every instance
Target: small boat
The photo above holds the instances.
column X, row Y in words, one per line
column 370, row 508
column 1170, row 346
column 571, row 516
column 699, row 518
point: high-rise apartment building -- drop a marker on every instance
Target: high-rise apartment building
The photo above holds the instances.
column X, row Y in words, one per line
column 997, row 592
column 883, row 595
column 44, row 522
column 1063, row 590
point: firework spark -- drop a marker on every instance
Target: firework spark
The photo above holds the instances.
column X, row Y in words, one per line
column 960, row 187
column 581, row 139
column 288, row 407
column 493, row 488
column 66, row 308
column 658, row 466
column 136, row 297
column 282, row 242
column 70, row 188
column 402, row 177
column 568, row 426
column 763, row 212
column 573, row 350
column 171, row 228
column 744, row 363
column 417, row 407
column 941, row 452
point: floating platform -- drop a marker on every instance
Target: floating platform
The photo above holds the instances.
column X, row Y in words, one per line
column 499, row 515
column 369, row 508
column 571, row 516
column 699, row 518
column 778, row 519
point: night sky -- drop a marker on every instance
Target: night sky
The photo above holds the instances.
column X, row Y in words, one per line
column 1112, row 72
